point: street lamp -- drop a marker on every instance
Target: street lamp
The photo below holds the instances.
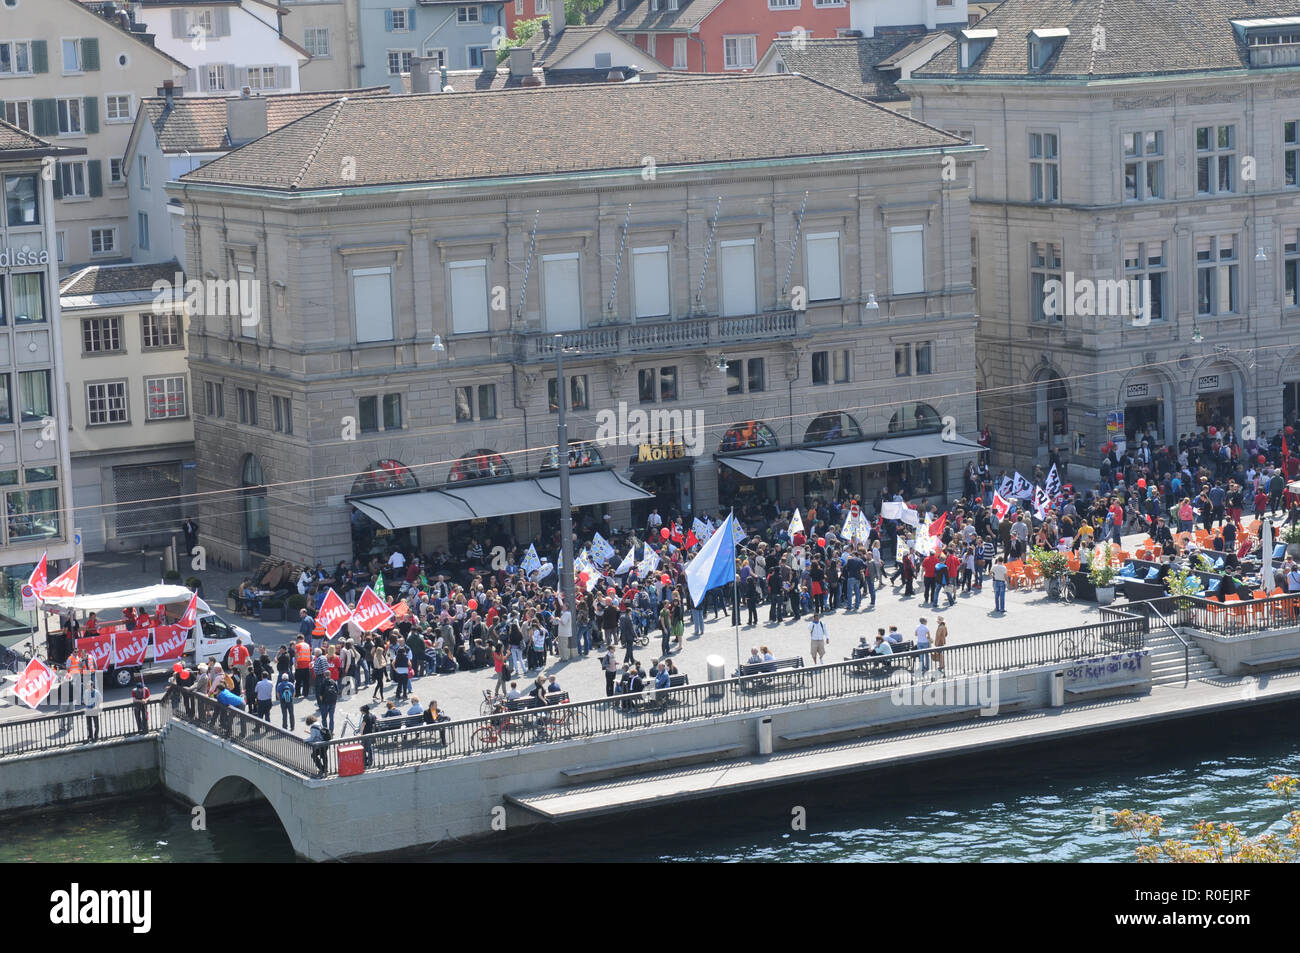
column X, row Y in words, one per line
column 437, row 345
column 566, row 512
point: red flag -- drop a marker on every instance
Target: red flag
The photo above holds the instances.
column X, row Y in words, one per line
column 936, row 528
column 34, row 683
column 1000, row 506
column 64, row 587
column 333, row 614
column 370, row 611
column 100, row 648
column 169, row 641
column 38, row 580
column 691, row 540
column 190, row 617
column 129, row 648
column 676, row 536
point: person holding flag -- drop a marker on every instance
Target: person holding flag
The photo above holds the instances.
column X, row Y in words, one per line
column 715, row 565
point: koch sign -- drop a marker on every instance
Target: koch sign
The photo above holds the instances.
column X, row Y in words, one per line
column 1208, row 382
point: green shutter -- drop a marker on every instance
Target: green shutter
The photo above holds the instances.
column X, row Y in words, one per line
column 90, row 54
column 58, row 182
column 90, row 110
column 45, row 117
column 95, row 172
column 40, row 57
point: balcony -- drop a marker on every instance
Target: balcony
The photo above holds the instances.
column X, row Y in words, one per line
column 662, row 335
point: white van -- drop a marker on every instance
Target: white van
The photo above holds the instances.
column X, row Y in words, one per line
column 209, row 640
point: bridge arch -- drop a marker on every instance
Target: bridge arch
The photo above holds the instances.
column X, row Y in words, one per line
column 234, row 789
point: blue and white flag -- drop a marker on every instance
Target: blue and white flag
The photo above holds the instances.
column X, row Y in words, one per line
column 700, row 529
column 628, row 562
column 530, row 563
column 796, row 523
column 601, row 550
column 649, row 564
column 715, row 564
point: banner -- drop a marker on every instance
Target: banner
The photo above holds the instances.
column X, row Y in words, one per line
column 38, row 580
column 100, row 648
column 129, row 648
column 34, row 683
column 169, row 642
column 796, row 524
column 601, row 550
column 333, row 614
column 370, row 611
column 64, row 587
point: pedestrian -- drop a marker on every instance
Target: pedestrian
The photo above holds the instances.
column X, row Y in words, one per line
column 940, row 640
column 317, row 736
column 191, row 530
column 327, row 697
column 263, row 692
column 139, row 704
column 610, row 664
column 401, row 672
column 819, row 638
column 499, row 663
column 284, row 692
column 91, row 706
column 923, row 644
column 379, row 668
column 999, row 574
column 302, row 667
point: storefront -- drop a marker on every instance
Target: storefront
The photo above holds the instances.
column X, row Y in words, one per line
column 1144, row 414
column 666, row 471
column 368, row 537
column 741, row 483
column 1216, row 404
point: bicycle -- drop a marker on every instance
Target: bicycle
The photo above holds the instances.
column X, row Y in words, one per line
column 13, row 662
column 491, row 702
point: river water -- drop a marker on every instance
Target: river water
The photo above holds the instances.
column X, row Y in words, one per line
column 1041, row 804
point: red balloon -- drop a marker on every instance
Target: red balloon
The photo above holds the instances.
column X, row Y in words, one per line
column 1142, row 484
column 1213, row 431
column 1263, row 459
column 1289, row 429
column 821, row 541
column 664, row 579
column 473, row 604
column 582, row 578
column 177, row 667
column 663, row 534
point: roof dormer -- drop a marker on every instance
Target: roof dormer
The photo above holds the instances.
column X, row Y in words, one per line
column 1272, row 41
column 1044, row 44
column 972, row 45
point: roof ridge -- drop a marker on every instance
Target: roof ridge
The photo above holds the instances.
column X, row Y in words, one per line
column 1092, row 56
column 520, row 90
column 320, row 140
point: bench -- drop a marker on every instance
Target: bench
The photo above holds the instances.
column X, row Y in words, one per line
column 647, row 696
column 527, row 701
column 1280, row 660
column 791, row 665
column 880, row 665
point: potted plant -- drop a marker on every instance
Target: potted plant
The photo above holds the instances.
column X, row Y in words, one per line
column 1102, row 575
column 294, row 603
column 232, row 600
column 172, row 575
column 1291, row 536
column 1052, row 565
column 1183, row 582
column 272, row 610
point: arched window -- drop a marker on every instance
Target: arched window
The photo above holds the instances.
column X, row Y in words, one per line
column 385, row 475
column 479, row 465
column 833, row 426
column 582, row 454
column 749, row 435
column 914, row 417
column 257, row 520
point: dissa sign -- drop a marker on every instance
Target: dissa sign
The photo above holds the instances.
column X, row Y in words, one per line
column 23, row 257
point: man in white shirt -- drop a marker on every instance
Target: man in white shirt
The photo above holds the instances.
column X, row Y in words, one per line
column 397, row 560
column 817, row 633
column 922, row 633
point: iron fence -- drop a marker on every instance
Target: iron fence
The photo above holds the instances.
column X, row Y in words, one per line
column 71, row 728
column 244, row 730
column 1223, row 618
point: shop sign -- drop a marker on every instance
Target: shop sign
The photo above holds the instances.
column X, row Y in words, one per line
column 1208, row 382
column 657, row 452
column 1135, row 391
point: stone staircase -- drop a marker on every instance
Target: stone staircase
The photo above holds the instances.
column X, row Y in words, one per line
column 1167, row 659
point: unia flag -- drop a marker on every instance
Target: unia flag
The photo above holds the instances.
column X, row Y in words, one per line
column 65, row 586
column 1000, row 506
column 333, row 614
column 39, row 579
column 34, row 683
column 371, row 611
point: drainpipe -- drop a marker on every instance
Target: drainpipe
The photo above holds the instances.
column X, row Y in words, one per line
column 704, row 55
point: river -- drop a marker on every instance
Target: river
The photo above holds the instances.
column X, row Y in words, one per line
column 1040, row 804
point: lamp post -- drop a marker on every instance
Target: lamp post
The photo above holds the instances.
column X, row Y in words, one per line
column 566, row 580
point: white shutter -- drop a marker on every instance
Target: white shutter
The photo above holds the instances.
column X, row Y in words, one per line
column 906, row 259
column 650, row 297
column 738, row 281
column 178, row 25
column 823, row 266
column 191, row 81
column 373, row 296
column 202, row 73
column 283, row 78
column 221, row 22
column 468, row 281
column 560, row 290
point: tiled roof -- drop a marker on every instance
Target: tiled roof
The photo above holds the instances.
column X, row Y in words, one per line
column 198, row 123
column 1135, row 37
column 443, row 137
column 551, row 51
column 639, row 18
column 851, row 63
column 107, row 279
column 135, row 37
column 473, row 80
column 13, row 139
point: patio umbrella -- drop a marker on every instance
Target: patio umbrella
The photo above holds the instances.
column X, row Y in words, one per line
column 1266, row 544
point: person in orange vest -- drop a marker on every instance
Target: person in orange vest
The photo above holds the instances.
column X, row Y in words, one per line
column 318, row 635
column 302, row 667
column 74, row 675
column 239, row 658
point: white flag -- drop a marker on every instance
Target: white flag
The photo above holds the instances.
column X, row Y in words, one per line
column 530, row 563
column 1005, row 487
column 1053, row 483
column 628, row 562
column 1042, row 503
column 1022, row 488
column 911, row 517
column 796, row 524
column 892, row 509
column 649, row 564
column 601, row 550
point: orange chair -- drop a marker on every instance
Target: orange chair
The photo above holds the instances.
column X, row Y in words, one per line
column 1032, row 577
column 1118, row 557
column 1073, row 562
column 1157, row 551
column 1015, row 572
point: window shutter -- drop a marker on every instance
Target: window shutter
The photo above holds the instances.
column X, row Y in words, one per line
column 58, row 182
column 40, row 57
column 201, row 78
column 374, row 304
column 241, row 77
column 191, row 81
column 468, row 282
column 650, row 282
column 907, row 260
column 95, row 172
column 178, row 25
column 823, row 267
column 90, row 114
column 739, row 294
column 410, row 19
column 221, row 22
column 283, row 77
column 90, row 54
column 388, row 21
column 562, row 304
column 45, row 117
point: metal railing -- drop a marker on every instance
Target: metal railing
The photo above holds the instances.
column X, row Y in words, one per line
column 660, row 334
column 71, row 729
column 1152, row 609
column 244, row 730
column 1236, row 618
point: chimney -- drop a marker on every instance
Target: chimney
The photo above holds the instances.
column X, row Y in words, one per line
column 521, row 61
column 546, row 29
column 614, row 76
column 557, row 17
column 245, row 119
column 168, row 92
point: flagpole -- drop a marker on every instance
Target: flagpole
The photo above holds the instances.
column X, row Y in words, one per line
column 735, row 587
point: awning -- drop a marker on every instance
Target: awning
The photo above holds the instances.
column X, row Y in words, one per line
column 588, row 489
column 923, row 446
column 455, row 503
column 864, row 453
column 149, row 597
column 760, row 466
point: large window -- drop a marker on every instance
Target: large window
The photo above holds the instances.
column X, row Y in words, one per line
column 656, row 384
column 247, row 405
column 1216, row 159
column 1291, row 267
column 1044, row 167
column 467, row 15
column 15, row 57
column 33, row 514
column 1217, row 274
column 577, row 393
column 283, row 410
column 823, row 251
column 399, row 62
column 479, row 465
column 379, row 412
column 1044, row 266
column 160, row 330
column 1290, row 152
column 165, row 397
column 1144, row 165
column 316, row 41
column 18, row 113
column 70, row 117
column 117, row 107
column 106, row 403
column 29, row 298
column 479, row 402
column 34, row 395
column 103, row 241
column 561, row 293
column 830, row 367
column 739, row 52
column 907, row 259
column 216, row 399
column 739, row 281
column 746, row 376
column 468, row 293
column 1146, row 262
column 100, row 335
column 650, row 288
column 749, row 435
column 372, row 292
column 74, row 183
column 22, row 206
column 913, row 417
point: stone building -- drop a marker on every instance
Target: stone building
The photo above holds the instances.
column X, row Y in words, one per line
column 775, row 272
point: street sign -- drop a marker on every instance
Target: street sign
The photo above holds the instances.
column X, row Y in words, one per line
column 29, row 598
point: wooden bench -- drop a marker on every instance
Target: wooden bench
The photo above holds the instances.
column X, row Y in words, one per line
column 1279, row 660
column 880, row 665
column 649, row 697
column 527, row 701
column 791, row 665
